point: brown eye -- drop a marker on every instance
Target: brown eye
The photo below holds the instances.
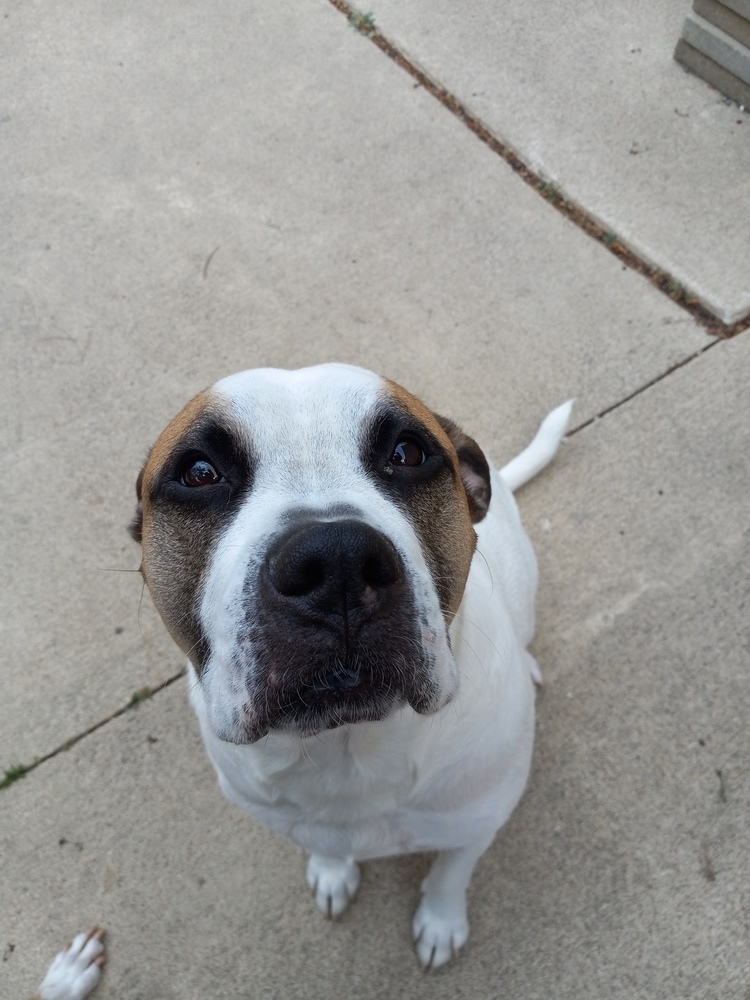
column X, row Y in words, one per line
column 407, row 453
column 200, row 473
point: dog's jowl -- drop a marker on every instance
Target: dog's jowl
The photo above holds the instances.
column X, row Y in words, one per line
column 352, row 586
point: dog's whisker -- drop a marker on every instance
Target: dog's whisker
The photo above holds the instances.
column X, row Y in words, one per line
column 478, row 658
column 478, row 552
column 140, row 607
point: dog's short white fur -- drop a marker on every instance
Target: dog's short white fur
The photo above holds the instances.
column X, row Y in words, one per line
column 444, row 779
column 75, row 972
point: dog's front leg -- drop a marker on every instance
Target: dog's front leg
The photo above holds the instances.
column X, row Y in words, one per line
column 440, row 924
column 333, row 881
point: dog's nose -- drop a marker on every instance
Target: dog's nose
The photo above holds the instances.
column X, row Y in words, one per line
column 335, row 567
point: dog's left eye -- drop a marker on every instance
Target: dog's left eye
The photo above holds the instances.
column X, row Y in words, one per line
column 200, row 473
column 408, row 453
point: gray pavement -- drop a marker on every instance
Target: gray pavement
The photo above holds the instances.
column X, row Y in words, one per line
column 188, row 191
column 596, row 104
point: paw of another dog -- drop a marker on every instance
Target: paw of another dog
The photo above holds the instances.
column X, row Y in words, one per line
column 76, row 970
column 439, row 933
column 333, row 882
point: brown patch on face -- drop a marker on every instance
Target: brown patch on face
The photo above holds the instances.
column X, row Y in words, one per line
column 177, row 525
column 176, row 429
column 444, row 507
column 473, row 467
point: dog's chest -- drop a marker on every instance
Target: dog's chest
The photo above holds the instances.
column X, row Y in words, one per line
column 337, row 778
column 383, row 789
column 330, row 795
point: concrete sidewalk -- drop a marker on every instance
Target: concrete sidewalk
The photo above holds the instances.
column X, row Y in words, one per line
column 192, row 190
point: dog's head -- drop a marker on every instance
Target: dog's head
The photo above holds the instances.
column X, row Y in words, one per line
column 306, row 538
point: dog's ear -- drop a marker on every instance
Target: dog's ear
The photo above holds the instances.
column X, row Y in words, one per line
column 136, row 525
column 475, row 472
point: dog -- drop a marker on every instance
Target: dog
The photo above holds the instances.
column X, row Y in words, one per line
column 354, row 591
column 76, row 971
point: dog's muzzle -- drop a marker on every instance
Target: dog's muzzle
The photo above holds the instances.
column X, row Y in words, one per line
column 334, row 630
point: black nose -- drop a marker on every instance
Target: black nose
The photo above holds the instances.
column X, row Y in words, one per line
column 335, row 567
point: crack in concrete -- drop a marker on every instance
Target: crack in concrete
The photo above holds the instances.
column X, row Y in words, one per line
column 18, row 771
column 578, row 215
column 643, row 388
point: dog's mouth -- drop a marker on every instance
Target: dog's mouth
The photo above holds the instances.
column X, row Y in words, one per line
column 339, row 698
column 341, row 693
column 332, row 695
column 340, row 679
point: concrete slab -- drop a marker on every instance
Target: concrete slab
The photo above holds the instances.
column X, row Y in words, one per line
column 191, row 191
column 622, row 873
column 596, row 105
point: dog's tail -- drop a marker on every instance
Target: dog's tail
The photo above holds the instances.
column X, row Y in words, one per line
column 542, row 449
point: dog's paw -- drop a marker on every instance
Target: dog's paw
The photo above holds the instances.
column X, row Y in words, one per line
column 440, row 931
column 75, row 971
column 333, row 882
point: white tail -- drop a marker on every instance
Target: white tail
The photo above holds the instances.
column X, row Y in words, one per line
column 542, row 449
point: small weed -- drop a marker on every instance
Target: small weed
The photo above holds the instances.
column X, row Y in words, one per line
column 610, row 239
column 138, row 696
column 14, row 773
column 722, row 786
column 676, row 290
column 709, row 872
column 363, row 23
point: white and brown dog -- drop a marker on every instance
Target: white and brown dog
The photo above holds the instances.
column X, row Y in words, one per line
column 357, row 648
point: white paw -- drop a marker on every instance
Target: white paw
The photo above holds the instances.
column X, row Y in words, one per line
column 333, row 882
column 77, row 970
column 440, row 932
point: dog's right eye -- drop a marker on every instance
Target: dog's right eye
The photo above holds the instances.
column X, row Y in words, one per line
column 408, row 453
column 200, row 473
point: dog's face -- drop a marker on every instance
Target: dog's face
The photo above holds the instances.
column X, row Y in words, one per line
column 306, row 538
